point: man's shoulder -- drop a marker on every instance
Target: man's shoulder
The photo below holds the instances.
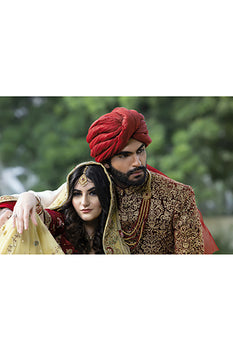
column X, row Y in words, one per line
column 163, row 182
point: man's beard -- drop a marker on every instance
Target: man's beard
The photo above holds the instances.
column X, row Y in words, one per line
column 123, row 179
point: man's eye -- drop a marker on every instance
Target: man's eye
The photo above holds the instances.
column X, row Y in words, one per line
column 141, row 150
column 122, row 156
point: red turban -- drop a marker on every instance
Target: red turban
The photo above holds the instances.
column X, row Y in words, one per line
column 109, row 134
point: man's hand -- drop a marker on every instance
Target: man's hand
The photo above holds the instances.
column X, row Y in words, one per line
column 5, row 215
column 25, row 207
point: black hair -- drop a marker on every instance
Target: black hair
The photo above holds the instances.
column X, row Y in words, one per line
column 75, row 232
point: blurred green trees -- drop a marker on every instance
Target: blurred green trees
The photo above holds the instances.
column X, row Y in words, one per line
column 192, row 139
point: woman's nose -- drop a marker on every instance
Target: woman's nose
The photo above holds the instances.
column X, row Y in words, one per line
column 85, row 201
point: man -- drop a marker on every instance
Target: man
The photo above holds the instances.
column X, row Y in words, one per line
column 158, row 215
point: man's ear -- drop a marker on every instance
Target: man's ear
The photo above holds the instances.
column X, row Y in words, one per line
column 107, row 166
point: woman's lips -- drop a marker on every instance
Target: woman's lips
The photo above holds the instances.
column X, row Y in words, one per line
column 85, row 210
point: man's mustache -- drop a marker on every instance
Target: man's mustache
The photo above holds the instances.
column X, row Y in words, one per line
column 136, row 169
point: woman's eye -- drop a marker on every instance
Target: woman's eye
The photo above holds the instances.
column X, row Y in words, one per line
column 77, row 194
column 93, row 193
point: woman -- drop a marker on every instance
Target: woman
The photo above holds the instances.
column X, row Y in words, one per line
column 83, row 218
column 79, row 223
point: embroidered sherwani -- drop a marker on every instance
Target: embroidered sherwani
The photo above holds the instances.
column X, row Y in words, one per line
column 172, row 224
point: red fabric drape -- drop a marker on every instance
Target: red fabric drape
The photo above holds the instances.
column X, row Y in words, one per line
column 9, row 205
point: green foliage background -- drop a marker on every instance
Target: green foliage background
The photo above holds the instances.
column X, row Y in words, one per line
column 192, row 139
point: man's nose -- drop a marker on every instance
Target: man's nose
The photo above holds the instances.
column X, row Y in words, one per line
column 137, row 161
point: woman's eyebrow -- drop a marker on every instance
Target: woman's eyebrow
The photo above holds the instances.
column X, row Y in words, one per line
column 91, row 189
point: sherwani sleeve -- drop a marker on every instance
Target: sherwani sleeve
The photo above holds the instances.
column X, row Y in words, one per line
column 188, row 236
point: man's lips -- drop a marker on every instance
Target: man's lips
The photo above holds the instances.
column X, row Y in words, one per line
column 138, row 172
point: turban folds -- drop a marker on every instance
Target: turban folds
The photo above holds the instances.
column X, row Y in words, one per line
column 109, row 134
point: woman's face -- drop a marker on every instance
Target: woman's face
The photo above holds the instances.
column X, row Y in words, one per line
column 86, row 202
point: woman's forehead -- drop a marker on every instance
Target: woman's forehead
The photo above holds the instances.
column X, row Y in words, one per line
column 88, row 185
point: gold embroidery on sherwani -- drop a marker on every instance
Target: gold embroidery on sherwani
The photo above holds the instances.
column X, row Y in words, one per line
column 133, row 237
column 172, row 225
